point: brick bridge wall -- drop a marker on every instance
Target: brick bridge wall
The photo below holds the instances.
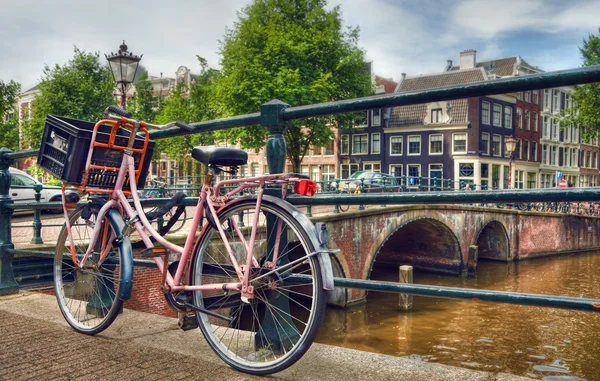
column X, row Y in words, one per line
column 448, row 238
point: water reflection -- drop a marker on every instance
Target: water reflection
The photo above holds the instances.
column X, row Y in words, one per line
column 547, row 343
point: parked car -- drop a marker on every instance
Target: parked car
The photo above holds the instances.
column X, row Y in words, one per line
column 369, row 182
column 21, row 190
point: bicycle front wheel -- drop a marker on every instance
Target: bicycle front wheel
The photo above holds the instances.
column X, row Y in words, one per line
column 278, row 325
column 88, row 297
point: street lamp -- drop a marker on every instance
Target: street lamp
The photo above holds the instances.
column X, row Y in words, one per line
column 510, row 144
column 123, row 65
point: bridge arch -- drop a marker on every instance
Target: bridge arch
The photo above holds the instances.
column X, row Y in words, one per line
column 422, row 241
column 492, row 241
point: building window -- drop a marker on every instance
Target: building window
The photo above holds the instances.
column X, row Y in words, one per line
column 534, row 151
column 396, row 145
column 328, row 172
column 546, row 127
column 436, row 115
column 535, row 96
column 528, row 96
column 518, row 155
column 556, row 100
column 534, row 121
column 555, row 128
column 519, row 177
column 496, row 144
column 414, row 170
column 545, row 154
column 359, row 144
column 508, row 117
column 547, row 99
column 396, row 170
column 485, row 144
column 526, row 149
column 436, row 174
column 314, row 172
column 345, row 145
column 554, row 157
column 519, row 118
column 595, row 160
column 375, row 143
column 485, row 112
column 497, row 115
column 527, row 120
column 435, row 144
column 376, row 117
column 459, row 143
column 372, row 167
column 254, row 169
column 414, row 145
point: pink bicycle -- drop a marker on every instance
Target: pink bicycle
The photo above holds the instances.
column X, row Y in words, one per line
column 254, row 280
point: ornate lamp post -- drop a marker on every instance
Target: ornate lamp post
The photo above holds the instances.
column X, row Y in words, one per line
column 510, row 145
column 123, row 65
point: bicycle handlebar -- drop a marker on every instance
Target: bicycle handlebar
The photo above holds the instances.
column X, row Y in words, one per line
column 184, row 126
column 117, row 110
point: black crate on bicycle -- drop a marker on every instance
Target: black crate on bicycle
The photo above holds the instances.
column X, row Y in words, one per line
column 65, row 146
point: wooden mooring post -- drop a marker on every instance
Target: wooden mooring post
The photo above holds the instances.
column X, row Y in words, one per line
column 406, row 300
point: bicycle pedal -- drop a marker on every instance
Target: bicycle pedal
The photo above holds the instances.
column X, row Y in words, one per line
column 152, row 252
column 188, row 322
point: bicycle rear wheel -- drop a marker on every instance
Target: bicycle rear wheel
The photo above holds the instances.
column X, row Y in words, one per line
column 88, row 297
column 279, row 324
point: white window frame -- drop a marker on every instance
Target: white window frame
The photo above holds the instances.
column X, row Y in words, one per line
column 497, row 106
column 408, row 153
column 499, row 145
column 373, row 135
column 376, row 117
column 393, row 167
column 489, row 110
column 487, row 149
column 401, row 145
column 345, row 151
column 454, row 142
column 408, row 167
column 441, row 136
column 367, row 141
column 507, row 117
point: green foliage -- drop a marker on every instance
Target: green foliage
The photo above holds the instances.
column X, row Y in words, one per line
column 195, row 105
column 9, row 130
column 585, row 112
column 295, row 51
column 144, row 105
column 81, row 89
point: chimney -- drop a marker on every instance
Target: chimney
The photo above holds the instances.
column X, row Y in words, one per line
column 467, row 59
column 448, row 66
column 403, row 76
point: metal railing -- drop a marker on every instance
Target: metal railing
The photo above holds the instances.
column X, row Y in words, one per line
column 274, row 116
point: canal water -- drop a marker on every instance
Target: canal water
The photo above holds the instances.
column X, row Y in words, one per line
column 537, row 342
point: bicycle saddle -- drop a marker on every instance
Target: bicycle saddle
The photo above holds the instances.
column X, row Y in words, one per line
column 220, row 156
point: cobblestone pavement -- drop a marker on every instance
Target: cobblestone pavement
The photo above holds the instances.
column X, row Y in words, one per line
column 37, row 344
column 34, row 349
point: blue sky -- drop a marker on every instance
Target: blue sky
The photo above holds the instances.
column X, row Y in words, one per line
column 399, row 36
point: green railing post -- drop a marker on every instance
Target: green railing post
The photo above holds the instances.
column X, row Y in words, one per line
column 271, row 117
column 362, row 190
column 37, row 221
column 8, row 284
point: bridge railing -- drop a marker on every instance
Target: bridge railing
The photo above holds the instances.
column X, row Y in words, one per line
column 275, row 116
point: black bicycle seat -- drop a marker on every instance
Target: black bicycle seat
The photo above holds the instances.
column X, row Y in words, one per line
column 220, row 156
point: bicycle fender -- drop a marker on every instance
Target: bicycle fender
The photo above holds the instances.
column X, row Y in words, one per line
column 321, row 250
column 126, row 282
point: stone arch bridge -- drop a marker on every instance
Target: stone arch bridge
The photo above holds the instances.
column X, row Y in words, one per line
column 447, row 238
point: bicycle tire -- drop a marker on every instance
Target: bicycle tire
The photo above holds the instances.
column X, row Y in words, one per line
column 87, row 298
column 343, row 208
column 262, row 337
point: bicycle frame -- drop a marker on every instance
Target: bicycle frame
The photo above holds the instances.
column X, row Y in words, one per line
column 118, row 199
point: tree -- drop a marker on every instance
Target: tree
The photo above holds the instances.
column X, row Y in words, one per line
column 9, row 129
column 295, row 51
column 81, row 89
column 144, row 105
column 585, row 112
column 195, row 105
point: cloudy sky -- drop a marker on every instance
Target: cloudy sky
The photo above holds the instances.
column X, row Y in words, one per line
column 399, row 36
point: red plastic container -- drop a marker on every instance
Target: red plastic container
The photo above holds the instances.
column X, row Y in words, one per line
column 306, row 188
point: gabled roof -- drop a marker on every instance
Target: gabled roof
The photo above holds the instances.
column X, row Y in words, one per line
column 447, row 78
column 502, row 67
column 414, row 115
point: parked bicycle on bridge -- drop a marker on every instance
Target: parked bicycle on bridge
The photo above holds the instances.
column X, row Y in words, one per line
column 254, row 280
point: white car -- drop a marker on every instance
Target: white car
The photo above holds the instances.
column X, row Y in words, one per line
column 21, row 190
